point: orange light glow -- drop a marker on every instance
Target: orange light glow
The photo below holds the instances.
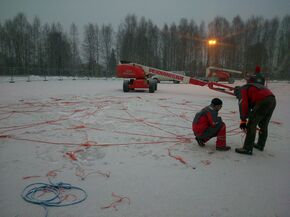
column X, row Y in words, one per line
column 212, row 42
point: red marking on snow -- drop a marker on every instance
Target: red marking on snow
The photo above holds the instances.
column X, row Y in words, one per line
column 79, row 151
column 86, row 145
column 71, row 155
column 45, row 142
column 55, row 99
column 30, row 177
column 183, row 116
column 68, row 197
column 5, row 136
column 44, row 191
column 108, row 174
column 135, row 143
column 77, row 127
column 7, row 117
column 49, row 122
column 69, row 103
column 81, row 173
column 179, row 158
column 183, row 139
column 234, row 129
column 206, row 162
column 79, row 110
column 118, row 201
column 80, row 127
column 276, row 122
column 140, row 119
column 52, row 173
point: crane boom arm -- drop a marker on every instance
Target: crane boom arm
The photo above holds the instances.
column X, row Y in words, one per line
column 149, row 71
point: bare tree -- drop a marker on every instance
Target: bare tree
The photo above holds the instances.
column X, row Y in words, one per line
column 18, row 34
column 126, row 38
column 112, row 62
column 173, row 52
column 106, row 45
column 59, row 52
column 98, row 47
column 2, row 47
column 154, row 48
column 165, row 42
column 282, row 55
column 36, row 42
column 271, row 29
column 90, row 47
column 236, row 41
column 142, row 40
column 74, row 44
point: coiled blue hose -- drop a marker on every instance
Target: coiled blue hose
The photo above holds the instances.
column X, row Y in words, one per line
column 30, row 193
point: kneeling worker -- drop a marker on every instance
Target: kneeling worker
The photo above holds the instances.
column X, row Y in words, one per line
column 206, row 124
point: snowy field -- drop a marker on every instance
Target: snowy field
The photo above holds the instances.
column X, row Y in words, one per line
column 135, row 154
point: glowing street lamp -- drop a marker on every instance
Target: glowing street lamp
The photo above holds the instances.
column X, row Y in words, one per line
column 212, row 42
column 211, row 58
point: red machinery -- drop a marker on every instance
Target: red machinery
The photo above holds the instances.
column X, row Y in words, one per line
column 220, row 74
column 140, row 77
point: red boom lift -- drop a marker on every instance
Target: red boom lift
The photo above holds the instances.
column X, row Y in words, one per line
column 220, row 74
column 140, row 77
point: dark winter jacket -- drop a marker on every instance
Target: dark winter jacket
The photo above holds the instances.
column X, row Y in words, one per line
column 249, row 95
column 207, row 117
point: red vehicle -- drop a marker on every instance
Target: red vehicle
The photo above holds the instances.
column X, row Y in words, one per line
column 140, row 76
column 220, row 74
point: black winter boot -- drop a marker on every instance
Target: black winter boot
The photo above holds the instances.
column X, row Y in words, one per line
column 223, row 148
column 259, row 147
column 244, row 151
column 200, row 142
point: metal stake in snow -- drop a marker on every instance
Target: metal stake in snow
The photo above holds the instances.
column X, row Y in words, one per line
column 12, row 77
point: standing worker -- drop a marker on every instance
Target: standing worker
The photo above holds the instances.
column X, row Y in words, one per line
column 256, row 106
column 206, row 124
column 258, row 77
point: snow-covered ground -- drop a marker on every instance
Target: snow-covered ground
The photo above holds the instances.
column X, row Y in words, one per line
column 135, row 154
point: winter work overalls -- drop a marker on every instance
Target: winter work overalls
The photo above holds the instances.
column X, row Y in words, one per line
column 256, row 103
column 206, row 124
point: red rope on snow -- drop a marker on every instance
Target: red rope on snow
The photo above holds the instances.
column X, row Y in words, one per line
column 276, row 122
column 179, row 158
column 30, row 177
column 205, row 162
column 117, row 202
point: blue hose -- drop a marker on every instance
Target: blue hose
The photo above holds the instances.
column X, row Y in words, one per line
column 30, row 192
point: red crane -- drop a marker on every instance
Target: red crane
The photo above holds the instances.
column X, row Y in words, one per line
column 139, row 76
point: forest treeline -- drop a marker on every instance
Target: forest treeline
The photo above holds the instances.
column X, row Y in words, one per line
column 36, row 48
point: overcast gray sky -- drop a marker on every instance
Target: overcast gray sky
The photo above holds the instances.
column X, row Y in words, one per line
column 82, row 12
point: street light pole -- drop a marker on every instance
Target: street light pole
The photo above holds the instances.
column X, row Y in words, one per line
column 211, row 54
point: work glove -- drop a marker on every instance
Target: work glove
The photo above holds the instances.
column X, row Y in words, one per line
column 243, row 125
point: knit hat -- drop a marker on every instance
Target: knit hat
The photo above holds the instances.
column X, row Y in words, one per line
column 216, row 101
column 258, row 69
